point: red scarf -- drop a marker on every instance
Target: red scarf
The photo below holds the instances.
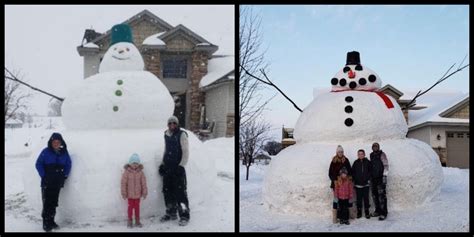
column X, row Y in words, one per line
column 385, row 98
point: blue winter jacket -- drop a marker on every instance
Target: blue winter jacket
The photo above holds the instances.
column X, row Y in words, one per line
column 54, row 167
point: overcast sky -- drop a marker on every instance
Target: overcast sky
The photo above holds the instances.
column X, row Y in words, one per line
column 408, row 46
column 41, row 41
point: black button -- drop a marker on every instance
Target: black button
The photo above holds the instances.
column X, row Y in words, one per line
column 348, row 122
column 372, row 78
column 348, row 109
column 342, row 82
column 349, row 99
column 334, row 81
column 353, row 84
column 362, row 81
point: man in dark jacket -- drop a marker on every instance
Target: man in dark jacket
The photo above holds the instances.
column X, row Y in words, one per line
column 174, row 174
column 361, row 174
column 53, row 165
column 379, row 164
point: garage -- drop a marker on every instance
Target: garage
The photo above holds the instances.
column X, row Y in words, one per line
column 458, row 149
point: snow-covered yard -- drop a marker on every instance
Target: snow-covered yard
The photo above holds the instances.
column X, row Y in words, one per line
column 449, row 212
column 215, row 214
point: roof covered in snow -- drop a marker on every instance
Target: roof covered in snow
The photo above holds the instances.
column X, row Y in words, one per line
column 218, row 68
column 14, row 121
column 91, row 45
column 437, row 103
column 154, row 39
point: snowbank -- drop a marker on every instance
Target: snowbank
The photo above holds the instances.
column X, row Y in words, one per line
column 221, row 151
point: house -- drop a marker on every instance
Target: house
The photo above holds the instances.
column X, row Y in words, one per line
column 176, row 55
column 13, row 123
column 443, row 124
column 287, row 138
column 218, row 86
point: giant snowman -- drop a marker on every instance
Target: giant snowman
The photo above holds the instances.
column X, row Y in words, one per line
column 353, row 114
column 111, row 115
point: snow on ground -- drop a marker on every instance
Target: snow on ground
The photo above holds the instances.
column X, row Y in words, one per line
column 449, row 212
column 216, row 214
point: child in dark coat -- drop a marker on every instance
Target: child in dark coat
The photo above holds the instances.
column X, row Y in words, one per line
column 361, row 173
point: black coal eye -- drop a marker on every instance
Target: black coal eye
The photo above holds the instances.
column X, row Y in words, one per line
column 346, row 69
column 358, row 67
column 334, row 81
column 353, row 84
column 362, row 81
column 372, row 78
column 342, row 82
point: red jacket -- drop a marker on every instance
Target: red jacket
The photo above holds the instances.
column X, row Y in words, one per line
column 345, row 190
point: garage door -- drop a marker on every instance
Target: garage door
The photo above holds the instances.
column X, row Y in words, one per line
column 458, row 149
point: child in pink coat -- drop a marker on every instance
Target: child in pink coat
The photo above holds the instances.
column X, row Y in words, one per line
column 343, row 191
column 133, row 187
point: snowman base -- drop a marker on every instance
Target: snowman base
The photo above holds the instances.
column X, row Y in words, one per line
column 297, row 181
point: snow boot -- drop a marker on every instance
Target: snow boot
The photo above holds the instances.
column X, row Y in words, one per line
column 54, row 225
column 168, row 218
column 342, row 222
column 375, row 214
column 359, row 213
column 130, row 224
column 347, row 222
column 382, row 217
column 367, row 214
column 183, row 222
column 137, row 223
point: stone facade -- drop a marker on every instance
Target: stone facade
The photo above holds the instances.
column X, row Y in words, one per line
column 461, row 113
column 198, row 70
column 230, row 131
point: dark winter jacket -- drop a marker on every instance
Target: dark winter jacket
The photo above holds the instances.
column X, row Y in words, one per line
column 361, row 172
column 54, row 166
column 379, row 164
column 176, row 148
column 335, row 167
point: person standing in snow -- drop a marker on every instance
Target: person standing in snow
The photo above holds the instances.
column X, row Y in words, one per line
column 343, row 190
column 133, row 187
column 53, row 165
column 379, row 165
column 361, row 173
column 174, row 174
column 338, row 161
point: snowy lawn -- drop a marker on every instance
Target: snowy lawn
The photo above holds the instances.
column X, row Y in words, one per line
column 449, row 212
column 216, row 214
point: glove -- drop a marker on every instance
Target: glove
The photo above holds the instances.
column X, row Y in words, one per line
column 334, row 203
column 161, row 170
column 384, row 179
column 65, row 177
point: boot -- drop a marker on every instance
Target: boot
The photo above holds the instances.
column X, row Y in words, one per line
column 382, row 217
column 367, row 214
column 130, row 223
column 137, row 223
column 167, row 217
column 54, row 225
column 375, row 214
column 183, row 222
column 47, row 226
column 359, row 213
column 347, row 222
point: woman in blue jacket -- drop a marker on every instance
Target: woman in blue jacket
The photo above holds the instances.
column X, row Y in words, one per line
column 53, row 165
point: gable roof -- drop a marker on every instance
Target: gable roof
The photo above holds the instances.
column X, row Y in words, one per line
column 393, row 89
column 218, row 68
column 438, row 105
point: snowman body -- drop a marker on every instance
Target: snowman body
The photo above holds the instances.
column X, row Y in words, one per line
column 108, row 117
column 353, row 114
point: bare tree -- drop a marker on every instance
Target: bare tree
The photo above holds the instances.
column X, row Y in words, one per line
column 15, row 99
column 55, row 108
column 252, row 127
column 251, row 139
column 272, row 147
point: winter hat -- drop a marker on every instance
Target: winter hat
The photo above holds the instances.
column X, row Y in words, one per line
column 375, row 144
column 339, row 148
column 57, row 136
column 343, row 171
column 134, row 159
column 173, row 119
column 121, row 33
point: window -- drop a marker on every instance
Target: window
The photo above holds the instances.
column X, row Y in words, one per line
column 175, row 68
column 460, row 135
column 467, row 135
column 450, row 134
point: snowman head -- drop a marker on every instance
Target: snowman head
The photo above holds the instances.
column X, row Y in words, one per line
column 122, row 55
column 355, row 76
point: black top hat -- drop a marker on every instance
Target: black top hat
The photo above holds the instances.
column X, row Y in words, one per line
column 353, row 58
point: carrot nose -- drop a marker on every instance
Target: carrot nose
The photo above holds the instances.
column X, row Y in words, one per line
column 120, row 51
column 352, row 74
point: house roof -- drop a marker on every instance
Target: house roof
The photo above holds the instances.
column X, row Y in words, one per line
column 13, row 121
column 392, row 88
column 438, row 104
column 218, row 68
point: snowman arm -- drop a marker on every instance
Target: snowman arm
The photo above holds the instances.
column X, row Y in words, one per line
column 384, row 159
column 184, row 148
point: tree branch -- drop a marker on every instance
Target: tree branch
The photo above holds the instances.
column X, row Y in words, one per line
column 14, row 78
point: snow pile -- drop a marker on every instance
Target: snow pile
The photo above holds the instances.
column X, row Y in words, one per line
column 297, row 180
column 92, row 191
column 122, row 56
column 323, row 119
column 154, row 40
column 221, row 151
column 217, row 68
column 140, row 98
column 90, row 45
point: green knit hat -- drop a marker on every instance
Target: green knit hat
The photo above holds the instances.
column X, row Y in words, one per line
column 121, row 33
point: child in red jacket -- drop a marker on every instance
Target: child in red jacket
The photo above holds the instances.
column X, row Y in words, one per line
column 343, row 191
